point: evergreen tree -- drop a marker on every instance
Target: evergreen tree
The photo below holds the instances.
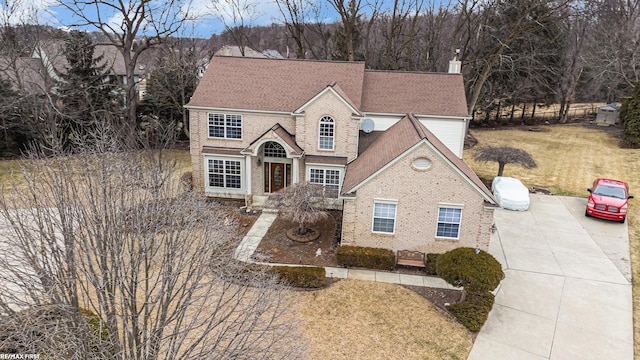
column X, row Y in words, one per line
column 87, row 94
column 9, row 118
column 630, row 119
column 169, row 85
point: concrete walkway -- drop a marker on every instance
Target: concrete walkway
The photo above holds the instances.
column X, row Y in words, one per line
column 567, row 290
column 249, row 244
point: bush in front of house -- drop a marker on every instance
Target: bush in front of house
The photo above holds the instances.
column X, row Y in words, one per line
column 430, row 263
column 366, row 257
column 474, row 310
column 473, row 269
column 302, row 276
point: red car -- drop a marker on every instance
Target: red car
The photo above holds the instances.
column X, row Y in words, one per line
column 608, row 200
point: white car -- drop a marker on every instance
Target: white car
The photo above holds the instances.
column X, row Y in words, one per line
column 510, row 193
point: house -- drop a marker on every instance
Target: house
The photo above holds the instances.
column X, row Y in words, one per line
column 386, row 145
column 25, row 74
column 234, row 50
column 51, row 54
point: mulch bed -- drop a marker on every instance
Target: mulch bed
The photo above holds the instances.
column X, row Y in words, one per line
column 438, row 297
column 275, row 247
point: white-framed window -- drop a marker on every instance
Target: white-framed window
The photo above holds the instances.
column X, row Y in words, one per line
column 275, row 150
column 224, row 174
column 326, row 133
column 384, row 216
column 449, row 220
column 329, row 177
column 225, row 126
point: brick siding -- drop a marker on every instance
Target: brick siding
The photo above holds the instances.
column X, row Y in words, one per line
column 418, row 193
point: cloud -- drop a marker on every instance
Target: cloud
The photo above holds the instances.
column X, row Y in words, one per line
column 26, row 11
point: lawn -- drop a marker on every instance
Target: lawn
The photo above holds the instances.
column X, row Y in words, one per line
column 569, row 157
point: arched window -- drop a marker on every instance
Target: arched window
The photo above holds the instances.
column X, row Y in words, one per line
column 326, row 134
column 273, row 149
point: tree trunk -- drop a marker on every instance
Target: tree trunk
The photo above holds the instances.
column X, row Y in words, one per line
column 302, row 228
column 501, row 168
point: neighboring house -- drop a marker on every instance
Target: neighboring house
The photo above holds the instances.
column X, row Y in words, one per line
column 233, row 50
column 26, row 75
column 51, row 53
column 386, row 145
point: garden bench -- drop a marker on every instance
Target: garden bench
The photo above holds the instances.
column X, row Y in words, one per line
column 410, row 258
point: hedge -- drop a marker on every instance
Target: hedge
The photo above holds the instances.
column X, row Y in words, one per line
column 473, row 312
column 430, row 264
column 302, row 276
column 475, row 270
column 365, row 257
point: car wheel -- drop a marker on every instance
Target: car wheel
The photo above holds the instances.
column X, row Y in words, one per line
column 622, row 221
column 586, row 213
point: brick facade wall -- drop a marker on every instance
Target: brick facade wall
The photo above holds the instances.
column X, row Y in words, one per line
column 305, row 128
column 418, row 193
column 345, row 130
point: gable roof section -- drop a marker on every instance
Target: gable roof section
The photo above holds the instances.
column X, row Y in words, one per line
column 280, row 133
column 337, row 91
column 273, row 84
column 399, row 92
column 394, row 142
column 25, row 74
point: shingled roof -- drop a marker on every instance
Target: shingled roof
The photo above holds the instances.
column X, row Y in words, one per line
column 394, row 142
column 283, row 85
column 401, row 92
column 273, row 84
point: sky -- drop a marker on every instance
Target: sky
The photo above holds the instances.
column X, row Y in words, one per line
column 47, row 13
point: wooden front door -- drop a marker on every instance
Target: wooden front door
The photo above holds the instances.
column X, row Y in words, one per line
column 277, row 176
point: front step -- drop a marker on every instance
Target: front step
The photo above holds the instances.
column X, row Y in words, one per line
column 257, row 202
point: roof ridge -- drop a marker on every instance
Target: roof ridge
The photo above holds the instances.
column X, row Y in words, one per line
column 410, row 72
column 417, row 126
column 289, row 59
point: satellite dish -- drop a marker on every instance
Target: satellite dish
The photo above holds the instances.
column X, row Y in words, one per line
column 367, row 125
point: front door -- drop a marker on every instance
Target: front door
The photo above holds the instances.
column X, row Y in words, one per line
column 277, row 176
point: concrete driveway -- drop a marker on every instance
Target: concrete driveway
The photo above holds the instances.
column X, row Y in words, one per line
column 567, row 290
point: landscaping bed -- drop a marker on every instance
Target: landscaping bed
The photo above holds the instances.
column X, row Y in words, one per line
column 276, row 247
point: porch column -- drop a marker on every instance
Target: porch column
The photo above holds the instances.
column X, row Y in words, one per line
column 295, row 170
column 247, row 176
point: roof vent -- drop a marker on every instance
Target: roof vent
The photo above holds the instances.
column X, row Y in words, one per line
column 367, row 125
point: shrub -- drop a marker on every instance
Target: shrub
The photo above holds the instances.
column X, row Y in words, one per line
column 366, row 257
column 473, row 312
column 55, row 329
column 302, row 276
column 430, row 264
column 186, row 179
column 476, row 272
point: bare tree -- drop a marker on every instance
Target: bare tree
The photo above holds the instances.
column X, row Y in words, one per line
column 112, row 232
column 302, row 203
column 237, row 16
column 489, row 29
column 504, row 155
column 296, row 16
column 133, row 28
column 612, row 56
column 350, row 12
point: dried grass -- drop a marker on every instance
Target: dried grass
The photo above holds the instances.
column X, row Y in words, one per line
column 365, row 320
column 569, row 157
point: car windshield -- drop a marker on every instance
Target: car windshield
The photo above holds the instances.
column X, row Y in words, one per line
column 610, row 191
